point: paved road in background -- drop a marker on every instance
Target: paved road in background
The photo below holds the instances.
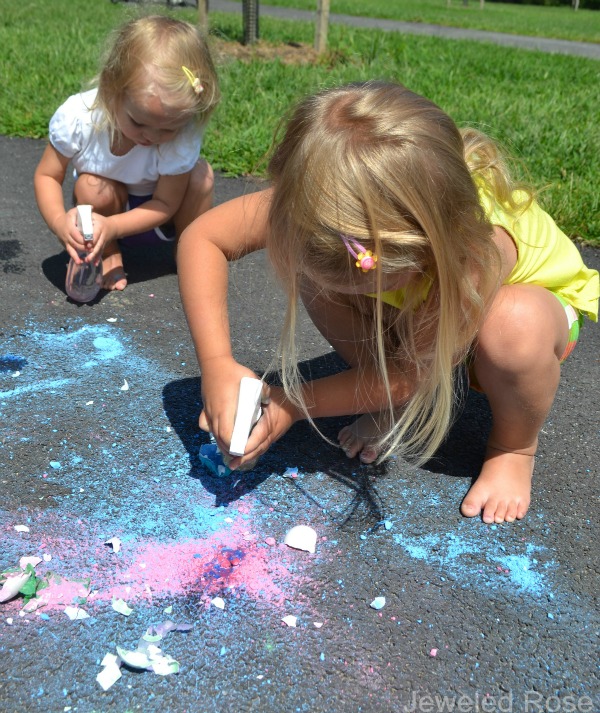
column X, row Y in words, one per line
column 99, row 439
column 581, row 49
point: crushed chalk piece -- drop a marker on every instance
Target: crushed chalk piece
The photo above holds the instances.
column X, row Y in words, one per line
column 125, row 386
column 301, row 537
column 290, row 620
column 76, row 613
column 218, row 602
column 21, row 528
column 55, row 464
column 120, row 606
column 115, row 543
column 433, row 653
column 110, row 674
column 377, row 603
column 12, row 584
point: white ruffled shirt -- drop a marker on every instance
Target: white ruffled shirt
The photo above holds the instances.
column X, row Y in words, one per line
column 73, row 132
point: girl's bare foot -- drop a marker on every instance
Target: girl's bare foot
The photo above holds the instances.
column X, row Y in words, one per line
column 114, row 277
column 502, row 491
column 361, row 437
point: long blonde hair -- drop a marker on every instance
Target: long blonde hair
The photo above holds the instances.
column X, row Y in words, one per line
column 150, row 51
column 388, row 167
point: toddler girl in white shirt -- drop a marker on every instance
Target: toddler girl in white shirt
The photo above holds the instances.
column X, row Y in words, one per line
column 134, row 144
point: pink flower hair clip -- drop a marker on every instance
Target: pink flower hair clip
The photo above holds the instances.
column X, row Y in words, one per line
column 365, row 260
column 194, row 81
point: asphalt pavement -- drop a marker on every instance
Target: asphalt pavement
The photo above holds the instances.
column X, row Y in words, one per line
column 403, row 606
column 540, row 44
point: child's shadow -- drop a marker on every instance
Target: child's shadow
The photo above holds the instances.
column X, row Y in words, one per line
column 141, row 265
column 301, row 447
column 460, row 455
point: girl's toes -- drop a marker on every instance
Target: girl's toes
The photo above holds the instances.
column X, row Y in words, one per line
column 522, row 509
column 500, row 515
column 471, row 507
column 368, row 454
column 511, row 512
column 489, row 512
column 115, row 280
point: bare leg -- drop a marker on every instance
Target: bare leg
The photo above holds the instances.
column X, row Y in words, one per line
column 344, row 328
column 517, row 365
column 198, row 197
column 107, row 198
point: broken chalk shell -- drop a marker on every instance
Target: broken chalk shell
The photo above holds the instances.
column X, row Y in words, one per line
column 302, row 537
column 377, row 603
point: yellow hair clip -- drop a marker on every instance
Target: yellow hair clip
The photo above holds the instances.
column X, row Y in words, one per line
column 365, row 260
column 194, row 81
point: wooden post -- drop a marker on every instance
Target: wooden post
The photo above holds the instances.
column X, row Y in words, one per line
column 203, row 15
column 250, row 18
column 321, row 26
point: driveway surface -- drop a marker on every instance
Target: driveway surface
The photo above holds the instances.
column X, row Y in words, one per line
column 541, row 44
column 99, row 440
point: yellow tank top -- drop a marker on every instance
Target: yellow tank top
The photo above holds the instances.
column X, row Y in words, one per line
column 545, row 256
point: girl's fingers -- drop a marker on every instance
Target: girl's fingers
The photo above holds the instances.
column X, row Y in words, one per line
column 265, row 397
column 203, row 422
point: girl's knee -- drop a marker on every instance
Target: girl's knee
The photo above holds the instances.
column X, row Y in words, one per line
column 202, row 179
column 107, row 197
column 522, row 329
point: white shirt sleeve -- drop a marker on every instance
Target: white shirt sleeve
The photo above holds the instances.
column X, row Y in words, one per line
column 181, row 154
column 71, row 125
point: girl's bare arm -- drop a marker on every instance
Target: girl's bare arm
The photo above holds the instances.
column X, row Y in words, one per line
column 48, row 181
column 224, row 233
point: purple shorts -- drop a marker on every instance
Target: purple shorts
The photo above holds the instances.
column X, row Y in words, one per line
column 158, row 236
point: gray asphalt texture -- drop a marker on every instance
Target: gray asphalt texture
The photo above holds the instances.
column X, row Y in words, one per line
column 541, row 44
column 99, row 439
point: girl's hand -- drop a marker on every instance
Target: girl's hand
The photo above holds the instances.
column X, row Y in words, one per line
column 68, row 233
column 104, row 232
column 279, row 414
column 221, row 379
column 65, row 229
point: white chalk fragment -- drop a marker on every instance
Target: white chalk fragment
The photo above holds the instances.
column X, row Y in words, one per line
column 302, row 537
column 248, row 413
column 125, row 386
column 12, row 585
column 33, row 561
column 76, row 613
column 21, row 528
column 218, row 602
column 109, row 675
column 115, row 543
column 120, row 606
column 377, row 603
column 290, row 620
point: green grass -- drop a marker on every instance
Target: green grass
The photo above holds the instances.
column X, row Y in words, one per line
column 537, row 21
column 542, row 107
